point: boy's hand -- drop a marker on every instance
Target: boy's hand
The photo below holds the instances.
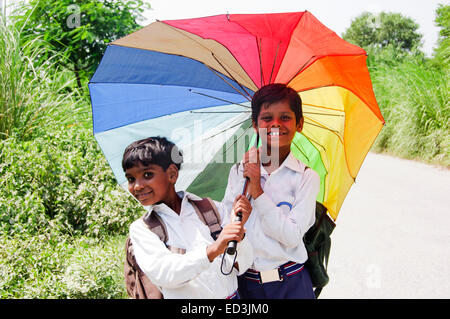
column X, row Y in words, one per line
column 232, row 231
column 252, row 170
column 242, row 204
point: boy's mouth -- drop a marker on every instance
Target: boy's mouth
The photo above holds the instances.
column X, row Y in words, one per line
column 143, row 196
column 276, row 133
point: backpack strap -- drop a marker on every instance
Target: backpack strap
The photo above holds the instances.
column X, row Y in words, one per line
column 208, row 214
column 156, row 225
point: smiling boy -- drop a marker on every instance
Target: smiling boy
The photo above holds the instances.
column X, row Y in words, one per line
column 283, row 192
column 152, row 173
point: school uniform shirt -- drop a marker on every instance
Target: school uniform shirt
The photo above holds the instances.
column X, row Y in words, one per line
column 281, row 215
column 188, row 275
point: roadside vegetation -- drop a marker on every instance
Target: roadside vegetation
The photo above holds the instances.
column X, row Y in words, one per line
column 64, row 219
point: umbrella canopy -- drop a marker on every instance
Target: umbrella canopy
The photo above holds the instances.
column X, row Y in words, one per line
column 191, row 81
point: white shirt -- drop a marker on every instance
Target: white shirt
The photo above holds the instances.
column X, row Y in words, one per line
column 281, row 215
column 189, row 275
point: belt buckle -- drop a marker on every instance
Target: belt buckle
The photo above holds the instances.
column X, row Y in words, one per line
column 270, row 275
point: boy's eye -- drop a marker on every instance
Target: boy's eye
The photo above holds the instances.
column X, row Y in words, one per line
column 266, row 118
column 148, row 175
column 130, row 179
column 285, row 118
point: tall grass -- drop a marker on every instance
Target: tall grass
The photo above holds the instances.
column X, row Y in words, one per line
column 414, row 100
column 31, row 96
column 62, row 215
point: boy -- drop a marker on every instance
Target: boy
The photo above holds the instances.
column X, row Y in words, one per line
column 152, row 174
column 283, row 192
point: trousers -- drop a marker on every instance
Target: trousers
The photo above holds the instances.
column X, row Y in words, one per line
column 294, row 284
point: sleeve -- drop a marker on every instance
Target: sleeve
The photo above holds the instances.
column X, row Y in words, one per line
column 162, row 267
column 234, row 188
column 245, row 255
column 290, row 229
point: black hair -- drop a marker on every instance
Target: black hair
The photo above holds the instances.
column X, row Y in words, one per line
column 276, row 92
column 152, row 150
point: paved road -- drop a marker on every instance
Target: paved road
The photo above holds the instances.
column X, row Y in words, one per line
column 392, row 238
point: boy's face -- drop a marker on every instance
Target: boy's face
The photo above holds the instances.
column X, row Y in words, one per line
column 151, row 184
column 277, row 122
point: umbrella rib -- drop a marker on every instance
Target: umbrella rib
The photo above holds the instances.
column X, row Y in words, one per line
column 217, row 73
column 313, row 140
column 301, row 151
column 208, row 49
column 231, row 76
column 228, row 129
column 274, row 61
column 324, row 107
column 320, row 125
column 218, row 112
column 301, row 69
column 238, row 137
column 258, row 44
column 317, row 113
column 223, row 100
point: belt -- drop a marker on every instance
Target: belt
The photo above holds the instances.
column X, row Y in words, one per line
column 278, row 274
column 233, row 296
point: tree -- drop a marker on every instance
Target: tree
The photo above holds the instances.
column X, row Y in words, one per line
column 78, row 29
column 442, row 51
column 382, row 30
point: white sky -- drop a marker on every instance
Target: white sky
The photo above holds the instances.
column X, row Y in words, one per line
column 335, row 14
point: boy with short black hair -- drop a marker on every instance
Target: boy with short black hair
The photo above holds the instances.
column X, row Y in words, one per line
column 151, row 166
column 283, row 192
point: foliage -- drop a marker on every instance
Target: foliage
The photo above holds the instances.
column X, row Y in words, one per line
column 369, row 30
column 52, row 265
column 442, row 51
column 79, row 30
column 29, row 95
column 414, row 100
column 61, row 181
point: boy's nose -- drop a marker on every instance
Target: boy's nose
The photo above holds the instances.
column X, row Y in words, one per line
column 275, row 123
column 138, row 185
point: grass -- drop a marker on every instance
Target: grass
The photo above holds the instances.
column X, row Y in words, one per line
column 31, row 96
column 414, row 100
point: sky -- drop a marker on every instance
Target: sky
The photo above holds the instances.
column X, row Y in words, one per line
column 335, row 14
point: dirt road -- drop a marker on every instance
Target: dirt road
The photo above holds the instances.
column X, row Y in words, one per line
column 392, row 238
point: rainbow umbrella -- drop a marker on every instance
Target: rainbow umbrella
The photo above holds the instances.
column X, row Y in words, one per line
column 192, row 80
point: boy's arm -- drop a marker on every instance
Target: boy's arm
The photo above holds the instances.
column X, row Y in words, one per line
column 289, row 229
column 164, row 268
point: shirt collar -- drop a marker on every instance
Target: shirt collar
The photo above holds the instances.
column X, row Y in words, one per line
column 163, row 208
column 293, row 163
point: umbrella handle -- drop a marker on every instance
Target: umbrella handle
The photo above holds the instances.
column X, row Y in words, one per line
column 231, row 248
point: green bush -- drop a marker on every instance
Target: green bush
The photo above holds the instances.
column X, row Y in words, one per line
column 53, row 265
column 61, row 181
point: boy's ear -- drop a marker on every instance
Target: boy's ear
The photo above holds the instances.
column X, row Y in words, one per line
column 172, row 172
column 300, row 124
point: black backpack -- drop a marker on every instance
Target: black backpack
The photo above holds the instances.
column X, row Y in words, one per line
column 318, row 244
column 137, row 283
